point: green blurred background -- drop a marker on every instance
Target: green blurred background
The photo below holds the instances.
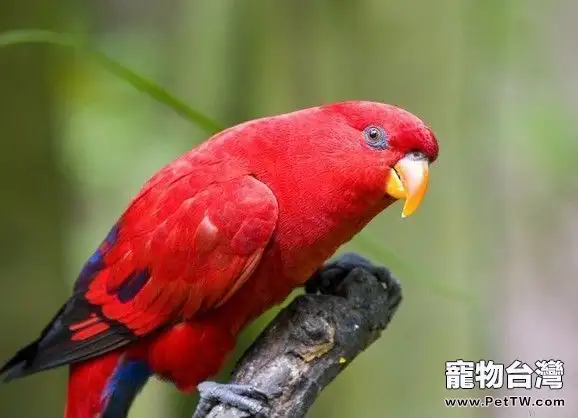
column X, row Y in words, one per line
column 488, row 263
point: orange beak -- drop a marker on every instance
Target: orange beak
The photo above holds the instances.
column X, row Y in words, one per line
column 408, row 180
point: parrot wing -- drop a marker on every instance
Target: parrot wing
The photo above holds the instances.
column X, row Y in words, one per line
column 173, row 253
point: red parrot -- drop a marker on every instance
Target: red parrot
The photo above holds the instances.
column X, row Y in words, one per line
column 218, row 236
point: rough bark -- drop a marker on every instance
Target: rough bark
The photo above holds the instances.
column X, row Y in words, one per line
column 315, row 338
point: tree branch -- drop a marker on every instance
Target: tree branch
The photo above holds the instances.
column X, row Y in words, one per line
column 317, row 336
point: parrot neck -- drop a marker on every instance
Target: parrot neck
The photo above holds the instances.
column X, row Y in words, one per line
column 319, row 237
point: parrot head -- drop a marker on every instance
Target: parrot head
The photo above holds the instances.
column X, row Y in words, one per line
column 393, row 141
column 347, row 159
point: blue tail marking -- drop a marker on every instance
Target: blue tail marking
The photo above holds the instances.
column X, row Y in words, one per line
column 123, row 386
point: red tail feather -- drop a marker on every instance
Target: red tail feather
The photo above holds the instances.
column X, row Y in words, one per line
column 86, row 384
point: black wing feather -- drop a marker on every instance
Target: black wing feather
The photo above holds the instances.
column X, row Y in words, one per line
column 55, row 347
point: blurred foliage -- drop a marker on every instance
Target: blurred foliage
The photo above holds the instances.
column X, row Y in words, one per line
column 27, row 36
column 78, row 144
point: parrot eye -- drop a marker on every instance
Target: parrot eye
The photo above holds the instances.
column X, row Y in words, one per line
column 376, row 137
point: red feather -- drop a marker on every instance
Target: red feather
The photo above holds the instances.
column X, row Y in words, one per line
column 86, row 384
column 196, row 254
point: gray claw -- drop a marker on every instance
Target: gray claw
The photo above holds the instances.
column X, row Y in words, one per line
column 244, row 397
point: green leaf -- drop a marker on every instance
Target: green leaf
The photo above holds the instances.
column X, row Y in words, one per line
column 26, row 36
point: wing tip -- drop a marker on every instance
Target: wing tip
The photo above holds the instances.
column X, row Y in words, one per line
column 20, row 364
column 13, row 373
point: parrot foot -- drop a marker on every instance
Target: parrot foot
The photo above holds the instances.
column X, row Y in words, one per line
column 331, row 276
column 327, row 278
column 244, row 397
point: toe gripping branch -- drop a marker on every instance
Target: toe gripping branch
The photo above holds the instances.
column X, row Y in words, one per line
column 348, row 303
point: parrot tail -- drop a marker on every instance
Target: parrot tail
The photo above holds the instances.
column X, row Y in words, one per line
column 104, row 387
column 86, row 384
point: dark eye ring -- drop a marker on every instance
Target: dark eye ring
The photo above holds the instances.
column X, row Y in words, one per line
column 375, row 137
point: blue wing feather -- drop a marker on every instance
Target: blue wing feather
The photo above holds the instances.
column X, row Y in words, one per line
column 96, row 261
